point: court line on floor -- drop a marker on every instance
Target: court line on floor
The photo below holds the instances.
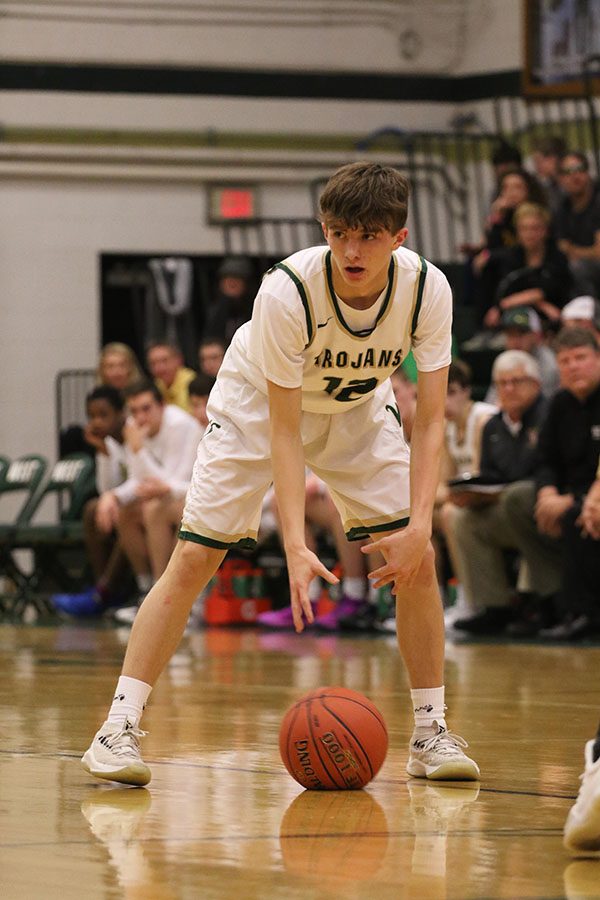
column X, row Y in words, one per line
column 186, row 764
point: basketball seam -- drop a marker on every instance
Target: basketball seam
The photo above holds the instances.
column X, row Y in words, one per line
column 317, row 747
column 351, row 732
column 371, row 709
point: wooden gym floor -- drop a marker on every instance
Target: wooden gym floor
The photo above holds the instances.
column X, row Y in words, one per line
column 223, row 819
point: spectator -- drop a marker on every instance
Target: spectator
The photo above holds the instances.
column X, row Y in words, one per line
column 465, row 420
column 532, row 273
column 505, row 158
column 479, row 528
column 199, row 389
column 104, row 431
column 522, row 330
column 548, row 153
column 232, row 304
column 165, row 362
column 160, row 446
column 582, row 312
column 578, row 223
column 118, row 366
column 210, row 356
column 569, row 451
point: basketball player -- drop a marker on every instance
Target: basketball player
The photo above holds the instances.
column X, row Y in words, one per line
column 306, row 382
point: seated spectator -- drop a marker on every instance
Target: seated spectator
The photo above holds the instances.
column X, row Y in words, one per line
column 232, row 303
column 548, row 153
column 569, row 448
column 465, row 420
column 479, row 527
column 210, row 356
column 582, row 312
column 322, row 515
column 578, row 223
column 160, row 446
column 165, row 363
column 522, row 330
column 532, row 273
column 199, row 390
column 104, row 431
column 405, row 393
column 118, row 366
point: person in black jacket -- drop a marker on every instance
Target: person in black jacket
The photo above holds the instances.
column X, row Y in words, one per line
column 481, row 530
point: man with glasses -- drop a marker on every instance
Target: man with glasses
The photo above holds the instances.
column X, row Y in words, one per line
column 481, row 529
column 578, row 223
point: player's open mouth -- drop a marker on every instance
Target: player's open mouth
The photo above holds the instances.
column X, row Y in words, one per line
column 354, row 270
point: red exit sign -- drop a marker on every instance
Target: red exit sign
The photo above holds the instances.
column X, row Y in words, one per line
column 228, row 203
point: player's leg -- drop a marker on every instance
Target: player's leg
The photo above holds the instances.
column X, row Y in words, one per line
column 435, row 753
column 222, row 509
column 582, row 828
column 366, row 464
column 157, row 630
column 161, row 518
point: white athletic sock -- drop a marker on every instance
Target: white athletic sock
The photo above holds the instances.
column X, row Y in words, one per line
column 354, row 588
column 129, row 700
column 144, row 582
column 314, row 590
column 428, row 706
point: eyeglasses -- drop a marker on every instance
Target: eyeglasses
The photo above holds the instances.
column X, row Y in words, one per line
column 512, row 382
column 574, row 170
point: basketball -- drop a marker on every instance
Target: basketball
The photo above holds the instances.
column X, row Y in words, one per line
column 333, row 739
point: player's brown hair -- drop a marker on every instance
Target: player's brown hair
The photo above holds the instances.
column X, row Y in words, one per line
column 366, row 195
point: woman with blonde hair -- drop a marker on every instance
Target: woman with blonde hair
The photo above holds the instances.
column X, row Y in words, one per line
column 118, row 366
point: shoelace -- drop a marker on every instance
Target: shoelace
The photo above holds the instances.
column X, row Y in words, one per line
column 445, row 742
column 125, row 741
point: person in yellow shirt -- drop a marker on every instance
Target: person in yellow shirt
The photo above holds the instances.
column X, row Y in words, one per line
column 165, row 362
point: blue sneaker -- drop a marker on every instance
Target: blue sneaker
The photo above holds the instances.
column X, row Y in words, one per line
column 87, row 603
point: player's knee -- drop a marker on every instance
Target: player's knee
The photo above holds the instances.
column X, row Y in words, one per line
column 194, row 562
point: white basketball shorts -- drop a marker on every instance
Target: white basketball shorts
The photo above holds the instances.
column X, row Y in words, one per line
column 361, row 455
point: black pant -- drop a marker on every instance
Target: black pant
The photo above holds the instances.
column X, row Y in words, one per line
column 581, row 584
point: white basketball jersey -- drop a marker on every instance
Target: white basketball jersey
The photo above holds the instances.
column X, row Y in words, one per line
column 299, row 336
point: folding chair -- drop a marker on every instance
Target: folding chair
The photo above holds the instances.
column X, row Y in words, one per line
column 23, row 477
column 72, row 482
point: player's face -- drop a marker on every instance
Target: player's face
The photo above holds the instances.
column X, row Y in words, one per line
column 104, row 419
column 579, row 369
column 361, row 259
column 146, row 411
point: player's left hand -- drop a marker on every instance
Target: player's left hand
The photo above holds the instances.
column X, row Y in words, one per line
column 403, row 551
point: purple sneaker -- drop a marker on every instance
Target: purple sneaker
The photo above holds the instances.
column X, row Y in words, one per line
column 345, row 608
column 279, row 618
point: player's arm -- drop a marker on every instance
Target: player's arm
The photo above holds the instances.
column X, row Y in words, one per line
column 287, row 455
column 404, row 550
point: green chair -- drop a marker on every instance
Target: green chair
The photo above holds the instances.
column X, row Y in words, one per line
column 20, row 482
column 71, row 482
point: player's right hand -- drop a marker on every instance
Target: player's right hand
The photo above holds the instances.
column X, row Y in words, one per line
column 304, row 565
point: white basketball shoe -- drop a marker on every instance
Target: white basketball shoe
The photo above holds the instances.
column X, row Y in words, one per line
column 582, row 828
column 114, row 754
column 439, row 755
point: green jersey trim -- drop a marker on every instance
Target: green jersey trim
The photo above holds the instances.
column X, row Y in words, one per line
column 244, row 543
column 301, row 287
column 363, row 531
column 419, row 295
column 367, row 332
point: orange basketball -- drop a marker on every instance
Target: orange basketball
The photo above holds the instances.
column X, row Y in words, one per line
column 333, row 739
